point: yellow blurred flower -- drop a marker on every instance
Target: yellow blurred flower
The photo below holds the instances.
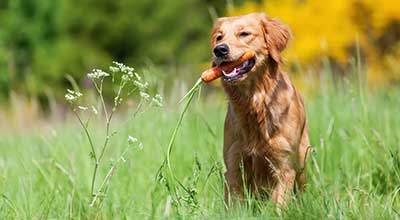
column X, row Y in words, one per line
column 334, row 29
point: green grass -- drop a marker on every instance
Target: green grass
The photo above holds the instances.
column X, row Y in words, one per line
column 354, row 174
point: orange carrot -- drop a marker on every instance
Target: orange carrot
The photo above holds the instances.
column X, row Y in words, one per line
column 216, row 72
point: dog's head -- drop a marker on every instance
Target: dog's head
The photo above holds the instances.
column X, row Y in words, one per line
column 232, row 36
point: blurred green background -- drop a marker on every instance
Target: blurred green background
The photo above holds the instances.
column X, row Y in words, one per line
column 42, row 41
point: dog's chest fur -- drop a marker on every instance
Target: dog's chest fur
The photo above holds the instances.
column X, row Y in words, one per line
column 259, row 113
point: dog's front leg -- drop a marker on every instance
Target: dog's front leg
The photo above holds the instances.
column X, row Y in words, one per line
column 233, row 175
column 284, row 171
column 285, row 178
column 234, row 185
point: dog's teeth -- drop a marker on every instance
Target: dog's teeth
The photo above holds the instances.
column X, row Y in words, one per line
column 244, row 63
column 225, row 74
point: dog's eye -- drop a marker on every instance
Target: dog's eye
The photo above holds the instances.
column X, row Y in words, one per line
column 219, row 37
column 244, row 34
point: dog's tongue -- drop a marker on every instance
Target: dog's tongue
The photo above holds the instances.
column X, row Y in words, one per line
column 236, row 70
column 233, row 73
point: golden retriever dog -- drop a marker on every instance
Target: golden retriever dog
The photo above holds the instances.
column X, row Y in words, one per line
column 265, row 133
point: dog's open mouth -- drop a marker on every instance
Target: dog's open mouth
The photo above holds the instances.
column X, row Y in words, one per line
column 239, row 71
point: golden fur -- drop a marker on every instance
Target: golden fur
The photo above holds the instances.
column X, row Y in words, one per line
column 265, row 126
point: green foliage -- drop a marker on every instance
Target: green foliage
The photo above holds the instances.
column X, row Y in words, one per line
column 42, row 40
column 354, row 173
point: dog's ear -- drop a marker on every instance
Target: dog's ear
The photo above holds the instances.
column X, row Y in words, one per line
column 276, row 36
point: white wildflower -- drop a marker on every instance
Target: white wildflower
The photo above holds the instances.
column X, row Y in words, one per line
column 140, row 146
column 114, row 69
column 97, row 74
column 158, row 100
column 94, row 110
column 140, row 85
column 132, row 139
column 91, row 76
column 83, row 108
column 159, row 97
column 138, row 76
column 120, row 66
column 123, row 159
column 125, row 77
column 129, row 69
column 123, row 67
column 71, row 96
column 117, row 100
column 145, row 96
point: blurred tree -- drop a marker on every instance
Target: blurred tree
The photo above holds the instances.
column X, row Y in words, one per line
column 42, row 40
column 335, row 29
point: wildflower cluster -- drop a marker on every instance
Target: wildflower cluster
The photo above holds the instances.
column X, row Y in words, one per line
column 158, row 100
column 72, row 96
column 126, row 81
column 134, row 141
column 97, row 74
column 129, row 75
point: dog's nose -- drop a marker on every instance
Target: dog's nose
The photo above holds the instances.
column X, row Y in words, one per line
column 221, row 50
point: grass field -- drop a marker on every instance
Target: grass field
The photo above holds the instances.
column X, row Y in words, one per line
column 354, row 173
